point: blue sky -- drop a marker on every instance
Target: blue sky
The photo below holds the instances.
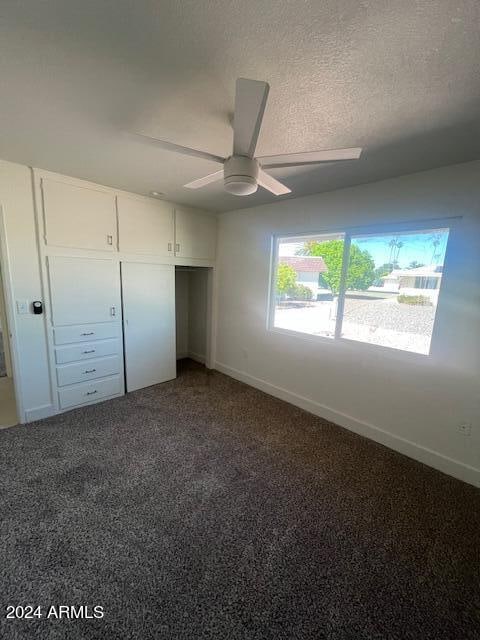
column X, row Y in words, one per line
column 416, row 246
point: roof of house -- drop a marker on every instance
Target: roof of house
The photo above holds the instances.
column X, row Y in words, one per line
column 427, row 271
column 310, row 264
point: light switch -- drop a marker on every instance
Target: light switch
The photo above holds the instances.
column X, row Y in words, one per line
column 22, row 306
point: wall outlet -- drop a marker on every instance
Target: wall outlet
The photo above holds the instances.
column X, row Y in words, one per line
column 465, row 428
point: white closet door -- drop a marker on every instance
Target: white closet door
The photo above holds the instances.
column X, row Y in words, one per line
column 149, row 323
column 83, row 290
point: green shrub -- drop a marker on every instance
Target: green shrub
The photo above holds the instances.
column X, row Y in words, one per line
column 415, row 300
column 300, row 292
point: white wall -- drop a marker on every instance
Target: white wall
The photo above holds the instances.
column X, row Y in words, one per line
column 411, row 403
column 22, row 280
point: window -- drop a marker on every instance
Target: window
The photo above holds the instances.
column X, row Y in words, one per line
column 379, row 288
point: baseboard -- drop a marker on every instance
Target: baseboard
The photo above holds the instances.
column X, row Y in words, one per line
column 45, row 411
column 422, row 454
column 198, row 357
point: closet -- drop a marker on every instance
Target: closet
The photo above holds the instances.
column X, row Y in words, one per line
column 192, row 311
column 126, row 280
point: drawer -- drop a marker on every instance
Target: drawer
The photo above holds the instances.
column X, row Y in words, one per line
column 86, row 351
column 80, row 371
column 86, row 332
column 89, row 392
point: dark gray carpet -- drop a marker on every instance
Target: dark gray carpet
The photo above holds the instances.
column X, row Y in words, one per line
column 203, row 508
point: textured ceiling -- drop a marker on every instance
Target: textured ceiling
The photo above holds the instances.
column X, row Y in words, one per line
column 399, row 78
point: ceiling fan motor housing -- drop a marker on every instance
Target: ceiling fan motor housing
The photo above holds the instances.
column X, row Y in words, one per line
column 240, row 175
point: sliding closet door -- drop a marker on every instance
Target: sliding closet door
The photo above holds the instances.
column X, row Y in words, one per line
column 149, row 323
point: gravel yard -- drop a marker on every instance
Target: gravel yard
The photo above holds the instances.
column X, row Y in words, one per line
column 383, row 322
column 389, row 314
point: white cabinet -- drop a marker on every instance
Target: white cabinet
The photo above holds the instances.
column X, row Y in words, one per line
column 86, row 332
column 84, row 371
column 83, row 290
column 78, row 216
column 145, row 226
column 88, row 392
column 86, row 351
column 195, row 234
column 149, row 323
column 86, row 317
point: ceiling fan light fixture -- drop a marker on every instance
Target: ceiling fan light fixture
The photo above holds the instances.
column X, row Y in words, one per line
column 240, row 175
column 240, row 185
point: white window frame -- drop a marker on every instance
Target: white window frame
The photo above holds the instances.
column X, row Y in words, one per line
column 348, row 232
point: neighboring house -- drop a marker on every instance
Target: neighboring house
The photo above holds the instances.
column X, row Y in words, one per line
column 424, row 281
column 308, row 269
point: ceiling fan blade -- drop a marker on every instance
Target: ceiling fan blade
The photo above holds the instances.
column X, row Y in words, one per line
column 271, row 184
column 186, row 151
column 201, row 182
column 250, row 100
column 309, row 157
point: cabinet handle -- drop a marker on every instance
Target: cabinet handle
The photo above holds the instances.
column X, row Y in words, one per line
column 89, row 351
column 109, row 239
column 169, row 246
column 90, row 393
column 177, row 247
column 89, row 333
column 113, row 311
column 90, row 371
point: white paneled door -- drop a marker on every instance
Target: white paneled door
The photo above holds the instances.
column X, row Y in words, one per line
column 149, row 323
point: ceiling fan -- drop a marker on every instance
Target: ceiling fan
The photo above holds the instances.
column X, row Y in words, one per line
column 242, row 172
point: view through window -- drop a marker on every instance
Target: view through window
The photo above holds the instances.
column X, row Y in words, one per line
column 376, row 288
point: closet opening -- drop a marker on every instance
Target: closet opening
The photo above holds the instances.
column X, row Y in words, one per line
column 193, row 287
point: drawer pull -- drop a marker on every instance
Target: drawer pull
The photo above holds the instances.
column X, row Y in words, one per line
column 89, row 333
column 90, row 371
column 89, row 351
column 90, row 393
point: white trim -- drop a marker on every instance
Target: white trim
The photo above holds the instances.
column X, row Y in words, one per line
column 44, row 411
column 411, row 449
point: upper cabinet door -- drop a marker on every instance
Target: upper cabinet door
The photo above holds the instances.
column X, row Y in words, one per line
column 84, row 290
column 195, row 234
column 78, row 217
column 145, row 226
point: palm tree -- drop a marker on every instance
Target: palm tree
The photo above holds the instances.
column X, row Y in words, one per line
column 436, row 239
